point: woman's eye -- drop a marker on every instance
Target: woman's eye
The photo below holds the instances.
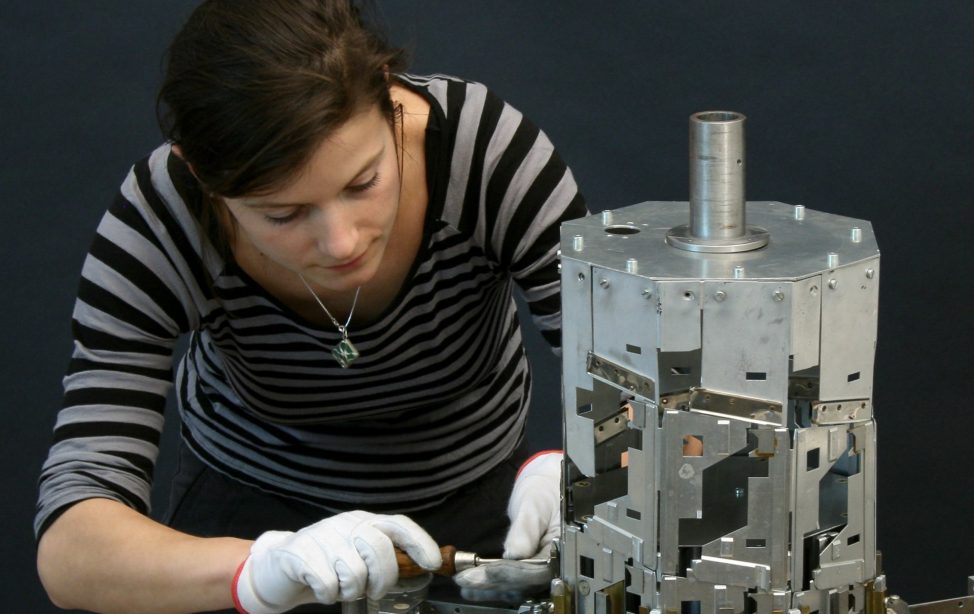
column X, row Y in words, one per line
column 362, row 187
column 283, row 219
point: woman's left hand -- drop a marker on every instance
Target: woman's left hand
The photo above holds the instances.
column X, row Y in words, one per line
column 535, row 512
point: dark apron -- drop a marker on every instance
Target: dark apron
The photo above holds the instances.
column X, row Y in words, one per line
column 206, row 503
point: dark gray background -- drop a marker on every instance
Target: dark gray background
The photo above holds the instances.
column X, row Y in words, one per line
column 858, row 108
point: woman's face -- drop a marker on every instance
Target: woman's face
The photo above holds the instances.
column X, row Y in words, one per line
column 331, row 223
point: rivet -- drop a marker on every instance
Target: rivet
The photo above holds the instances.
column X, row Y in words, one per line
column 833, row 259
column 778, row 296
column 870, row 273
column 577, row 243
column 632, row 265
column 833, row 283
column 738, row 272
column 739, row 492
column 604, row 283
column 799, row 212
column 719, row 296
column 607, row 217
column 856, row 234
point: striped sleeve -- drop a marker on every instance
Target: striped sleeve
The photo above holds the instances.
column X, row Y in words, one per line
column 525, row 191
column 132, row 305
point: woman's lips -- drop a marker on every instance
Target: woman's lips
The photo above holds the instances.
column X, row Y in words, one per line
column 351, row 264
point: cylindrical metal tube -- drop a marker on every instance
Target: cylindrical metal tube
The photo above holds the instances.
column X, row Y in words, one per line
column 717, row 175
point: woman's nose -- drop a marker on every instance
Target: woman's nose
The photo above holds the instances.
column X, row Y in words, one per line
column 335, row 233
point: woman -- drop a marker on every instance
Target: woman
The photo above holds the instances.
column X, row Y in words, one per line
column 340, row 242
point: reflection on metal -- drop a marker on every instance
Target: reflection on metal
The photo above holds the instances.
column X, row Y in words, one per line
column 960, row 605
column 620, row 376
column 840, row 412
column 717, row 205
column 735, row 406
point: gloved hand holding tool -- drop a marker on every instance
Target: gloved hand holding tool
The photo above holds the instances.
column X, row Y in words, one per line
column 535, row 512
column 341, row 558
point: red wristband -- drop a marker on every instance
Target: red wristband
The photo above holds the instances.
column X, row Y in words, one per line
column 233, row 588
column 534, row 456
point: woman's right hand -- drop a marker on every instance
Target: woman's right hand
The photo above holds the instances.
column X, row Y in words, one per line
column 341, row 558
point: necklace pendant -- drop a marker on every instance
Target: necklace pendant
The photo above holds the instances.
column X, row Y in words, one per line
column 345, row 353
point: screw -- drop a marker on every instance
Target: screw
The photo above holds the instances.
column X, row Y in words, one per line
column 604, row 283
column 583, row 587
column 647, row 293
column 870, row 273
column 833, row 283
column 739, row 492
column 719, row 296
column 778, row 296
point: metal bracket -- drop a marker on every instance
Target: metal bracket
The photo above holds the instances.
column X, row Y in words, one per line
column 619, row 376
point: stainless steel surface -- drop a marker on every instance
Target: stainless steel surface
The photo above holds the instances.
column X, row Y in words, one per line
column 959, row 605
column 765, row 359
column 717, row 171
column 358, row 606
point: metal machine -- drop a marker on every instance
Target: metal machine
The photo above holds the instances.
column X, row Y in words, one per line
column 718, row 418
column 720, row 446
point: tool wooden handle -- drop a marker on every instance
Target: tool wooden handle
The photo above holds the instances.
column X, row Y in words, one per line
column 409, row 569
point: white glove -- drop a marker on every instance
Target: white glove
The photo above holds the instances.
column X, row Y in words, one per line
column 535, row 507
column 341, row 558
column 535, row 512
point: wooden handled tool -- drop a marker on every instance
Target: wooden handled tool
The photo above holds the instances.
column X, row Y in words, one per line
column 454, row 561
column 409, row 569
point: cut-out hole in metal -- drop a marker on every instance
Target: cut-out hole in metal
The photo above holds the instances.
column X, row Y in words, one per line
column 756, row 376
column 634, row 349
column 755, row 543
column 586, row 566
column 812, row 459
column 853, row 376
column 621, row 229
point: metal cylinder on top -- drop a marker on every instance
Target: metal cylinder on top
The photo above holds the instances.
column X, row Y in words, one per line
column 717, row 175
column 717, row 195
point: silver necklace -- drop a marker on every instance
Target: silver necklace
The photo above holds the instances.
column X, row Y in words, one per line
column 344, row 351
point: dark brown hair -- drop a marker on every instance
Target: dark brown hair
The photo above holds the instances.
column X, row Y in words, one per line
column 253, row 86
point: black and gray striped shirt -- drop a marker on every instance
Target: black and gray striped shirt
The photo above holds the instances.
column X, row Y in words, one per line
column 439, row 395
